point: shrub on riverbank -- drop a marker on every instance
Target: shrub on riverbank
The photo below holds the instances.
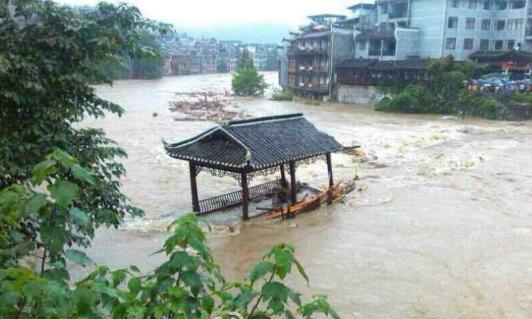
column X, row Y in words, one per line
column 282, row 96
column 473, row 103
column 444, row 93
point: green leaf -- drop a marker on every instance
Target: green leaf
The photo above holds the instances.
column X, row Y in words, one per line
column 134, row 285
column 82, row 174
column 64, row 192
column 78, row 257
column 43, row 170
column 191, row 279
column 34, row 204
column 283, row 260
column 275, row 290
column 301, row 270
column 64, row 158
column 118, row 277
column 79, row 216
column 261, row 269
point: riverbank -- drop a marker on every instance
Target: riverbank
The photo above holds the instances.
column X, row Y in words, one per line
column 442, row 226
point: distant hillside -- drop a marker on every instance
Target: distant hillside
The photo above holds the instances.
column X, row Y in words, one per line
column 248, row 33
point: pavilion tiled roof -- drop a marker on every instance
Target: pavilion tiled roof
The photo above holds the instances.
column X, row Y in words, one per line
column 256, row 143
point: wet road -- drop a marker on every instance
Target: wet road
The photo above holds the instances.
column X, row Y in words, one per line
column 441, row 226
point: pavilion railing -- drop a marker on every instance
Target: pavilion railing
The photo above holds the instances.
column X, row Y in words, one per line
column 234, row 199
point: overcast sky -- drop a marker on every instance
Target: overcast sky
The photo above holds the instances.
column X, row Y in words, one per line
column 206, row 13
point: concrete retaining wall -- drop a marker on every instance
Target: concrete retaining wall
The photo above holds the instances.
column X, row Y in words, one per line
column 363, row 95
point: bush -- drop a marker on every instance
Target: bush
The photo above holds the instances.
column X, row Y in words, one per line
column 282, row 96
column 474, row 104
column 524, row 99
column 413, row 99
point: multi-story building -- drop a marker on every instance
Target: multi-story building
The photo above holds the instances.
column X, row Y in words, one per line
column 311, row 53
column 439, row 28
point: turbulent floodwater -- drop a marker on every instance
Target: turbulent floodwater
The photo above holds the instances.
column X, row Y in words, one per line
column 441, row 226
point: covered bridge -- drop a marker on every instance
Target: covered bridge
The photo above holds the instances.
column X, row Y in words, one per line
column 244, row 149
column 375, row 72
column 511, row 61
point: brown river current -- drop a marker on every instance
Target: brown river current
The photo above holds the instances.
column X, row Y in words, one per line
column 441, row 226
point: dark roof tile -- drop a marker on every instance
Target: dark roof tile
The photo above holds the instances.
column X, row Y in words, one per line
column 264, row 142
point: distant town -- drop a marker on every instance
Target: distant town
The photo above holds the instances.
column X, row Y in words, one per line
column 391, row 41
column 185, row 55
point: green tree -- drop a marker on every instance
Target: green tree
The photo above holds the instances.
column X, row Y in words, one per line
column 246, row 80
column 149, row 64
column 49, row 56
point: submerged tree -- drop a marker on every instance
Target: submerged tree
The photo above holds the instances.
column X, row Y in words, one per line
column 247, row 81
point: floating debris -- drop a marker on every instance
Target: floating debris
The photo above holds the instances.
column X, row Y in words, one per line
column 206, row 106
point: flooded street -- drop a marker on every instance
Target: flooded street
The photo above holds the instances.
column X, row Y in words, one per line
column 441, row 226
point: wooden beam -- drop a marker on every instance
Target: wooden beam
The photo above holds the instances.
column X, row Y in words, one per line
column 284, row 182
column 245, row 196
column 331, row 179
column 293, row 186
column 194, row 187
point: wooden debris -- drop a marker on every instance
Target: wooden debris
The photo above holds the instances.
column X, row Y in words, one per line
column 309, row 203
column 205, row 106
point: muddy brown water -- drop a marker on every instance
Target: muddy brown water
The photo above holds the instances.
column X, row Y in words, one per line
column 440, row 228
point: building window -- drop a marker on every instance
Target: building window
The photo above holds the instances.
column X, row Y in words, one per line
column 499, row 44
column 470, row 23
column 500, row 25
column 484, row 44
column 517, row 4
column 362, row 45
column 450, row 44
column 510, row 45
column 486, row 24
column 488, row 4
column 472, row 4
column 514, row 24
column 384, row 8
column 468, row 44
column 501, row 5
column 456, row 3
column 453, row 23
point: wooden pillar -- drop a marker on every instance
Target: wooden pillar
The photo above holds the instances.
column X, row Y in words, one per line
column 284, row 182
column 245, row 196
column 293, row 186
column 194, row 187
column 331, row 179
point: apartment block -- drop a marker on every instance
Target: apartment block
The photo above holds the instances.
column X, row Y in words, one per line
column 306, row 66
column 438, row 28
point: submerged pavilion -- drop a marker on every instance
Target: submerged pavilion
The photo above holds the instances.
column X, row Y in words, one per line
column 248, row 148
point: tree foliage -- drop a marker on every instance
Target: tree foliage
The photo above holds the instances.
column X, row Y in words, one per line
column 443, row 94
column 189, row 284
column 246, row 80
column 49, row 56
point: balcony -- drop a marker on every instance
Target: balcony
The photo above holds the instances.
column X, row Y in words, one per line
column 308, row 51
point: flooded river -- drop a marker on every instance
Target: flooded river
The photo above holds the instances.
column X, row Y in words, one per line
column 440, row 227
